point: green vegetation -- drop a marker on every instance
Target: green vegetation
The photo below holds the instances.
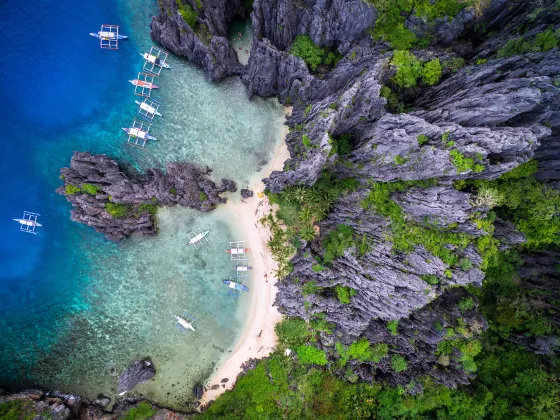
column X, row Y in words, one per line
column 292, row 332
column 463, row 163
column 307, row 109
column 390, row 27
column 117, row 210
column 362, row 351
column 173, row 190
column 400, row 160
column 202, row 197
column 341, row 145
column 393, row 326
column 466, row 304
column 306, row 141
column 542, row 42
column 143, row 411
column 454, row 64
column 304, row 48
column 398, row 363
column 309, row 355
column 20, row 410
column 72, row 189
column 431, row 72
column 410, row 70
column 338, row 241
column 91, row 189
column 189, row 14
column 344, row 293
column 148, row 208
column 422, row 139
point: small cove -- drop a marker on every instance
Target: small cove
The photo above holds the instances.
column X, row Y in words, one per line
column 74, row 307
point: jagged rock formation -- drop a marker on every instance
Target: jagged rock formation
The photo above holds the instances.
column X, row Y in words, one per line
column 138, row 195
column 39, row 405
column 140, row 371
column 206, row 43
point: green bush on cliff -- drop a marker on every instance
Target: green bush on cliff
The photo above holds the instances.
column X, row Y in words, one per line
column 72, row 189
column 337, row 242
column 292, row 332
column 344, row 293
column 117, row 210
column 143, row 411
column 409, row 69
column 398, row 363
column 304, row 48
column 542, row 42
column 91, row 189
column 309, row 355
column 189, row 14
column 463, row 163
column 431, row 72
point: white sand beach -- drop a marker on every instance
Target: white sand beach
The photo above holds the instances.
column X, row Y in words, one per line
column 258, row 338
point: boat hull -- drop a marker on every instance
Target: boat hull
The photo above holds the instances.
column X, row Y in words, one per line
column 235, row 286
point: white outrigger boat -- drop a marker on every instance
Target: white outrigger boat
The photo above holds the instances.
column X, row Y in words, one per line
column 148, row 108
column 197, row 238
column 109, row 37
column 150, row 58
column 136, row 132
column 183, row 323
column 29, row 222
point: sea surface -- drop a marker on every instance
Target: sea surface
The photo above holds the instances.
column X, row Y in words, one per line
column 76, row 309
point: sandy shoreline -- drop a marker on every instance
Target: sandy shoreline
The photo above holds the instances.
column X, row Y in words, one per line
column 258, row 338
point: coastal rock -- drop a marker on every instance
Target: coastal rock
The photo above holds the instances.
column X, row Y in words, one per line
column 134, row 198
column 225, row 380
column 245, row 193
column 39, row 405
column 206, row 42
column 198, row 391
column 214, row 387
column 140, row 371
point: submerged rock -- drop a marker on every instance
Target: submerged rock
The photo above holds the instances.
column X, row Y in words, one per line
column 245, row 193
column 198, row 391
column 140, row 371
column 117, row 204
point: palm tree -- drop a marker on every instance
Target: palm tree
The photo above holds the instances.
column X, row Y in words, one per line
column 300, row 193
column 306, row 214
column 307, row 233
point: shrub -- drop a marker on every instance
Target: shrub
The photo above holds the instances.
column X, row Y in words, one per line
column 337, row 242
column 304, row 48
column 454, row 64
column 392, row 326
column 317, row 267
column 143, row 411
column 306, row 142
column 430, row 279
column 189, row 14
column 400, row 160
column 72, row 189
column 173, row 190
column 409, row 69
column 543, row 41
column 148, row 208
column 466, row 304
column 309, row 288
column 422, row 139
column 398, row 363
column 431, row 72
column 202, row 197
column 91, row 189
column 309, row 355
column 117, row 210
column 342, row 145
column 307, row 109
column 463, row 163
column 292, row 332
column 344, row 293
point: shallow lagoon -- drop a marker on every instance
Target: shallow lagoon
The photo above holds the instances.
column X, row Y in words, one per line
column 75, row 308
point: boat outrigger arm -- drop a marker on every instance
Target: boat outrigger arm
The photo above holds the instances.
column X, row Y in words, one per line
column 183, row 323
column 155, row 60
column 135, row 132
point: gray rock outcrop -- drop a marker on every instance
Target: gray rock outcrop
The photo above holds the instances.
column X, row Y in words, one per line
column 140, row 371
column 138, row 195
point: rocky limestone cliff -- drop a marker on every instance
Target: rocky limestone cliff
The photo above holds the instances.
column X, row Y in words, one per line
column 205, row 43
column 39, row 405
column 137, row 196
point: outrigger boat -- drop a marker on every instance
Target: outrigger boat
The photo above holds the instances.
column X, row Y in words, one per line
column 106, row 36
column 135, row 132
column 109, row 36
column 29, row 222
column 148, row 108
column 184, row 322
column 238, row 251
column 235, row 287
column 155, row 60
column 199, row 237
column 144, row 84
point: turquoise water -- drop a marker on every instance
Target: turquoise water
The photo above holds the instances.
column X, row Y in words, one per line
column 75, row 308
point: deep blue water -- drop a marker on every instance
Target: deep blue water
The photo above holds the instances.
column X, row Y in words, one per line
column 52, row 80
column 74, row 306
